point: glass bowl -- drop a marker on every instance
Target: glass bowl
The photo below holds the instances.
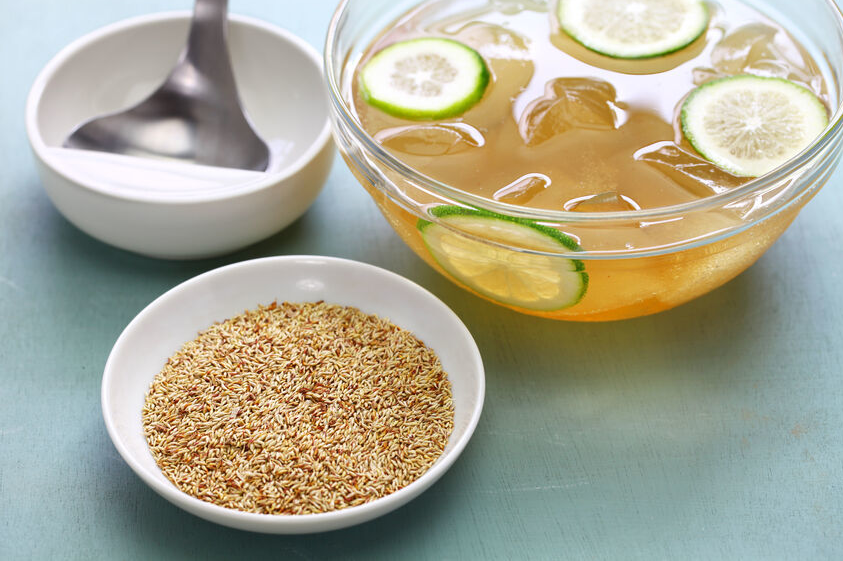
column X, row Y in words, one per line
column 633, row 263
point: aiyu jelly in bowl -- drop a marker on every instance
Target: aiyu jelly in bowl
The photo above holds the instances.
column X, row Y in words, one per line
column 575, row 170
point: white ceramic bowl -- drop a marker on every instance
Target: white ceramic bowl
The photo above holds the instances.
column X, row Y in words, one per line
column 177, row 316
column 174, row 210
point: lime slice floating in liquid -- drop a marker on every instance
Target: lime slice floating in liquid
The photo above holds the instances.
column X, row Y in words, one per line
column 633, row 28
column 750, row 125
column 427, row 78
column 522, row 279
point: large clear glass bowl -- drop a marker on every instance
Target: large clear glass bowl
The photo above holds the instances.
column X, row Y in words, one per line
column 637, row 262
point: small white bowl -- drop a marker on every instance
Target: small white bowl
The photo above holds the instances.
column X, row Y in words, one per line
column 176, row 210
column 178, row 315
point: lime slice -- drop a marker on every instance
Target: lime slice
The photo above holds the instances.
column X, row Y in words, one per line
column 750, row 125
column 633, row 28
column 518, row 278
column 428, row 78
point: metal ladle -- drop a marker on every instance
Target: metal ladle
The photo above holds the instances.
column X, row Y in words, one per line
column 195, row 115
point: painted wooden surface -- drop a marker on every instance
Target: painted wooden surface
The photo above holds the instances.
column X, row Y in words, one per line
column 711, row 431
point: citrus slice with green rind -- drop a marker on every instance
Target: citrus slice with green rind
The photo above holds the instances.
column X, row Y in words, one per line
column 525, row 279
column 426, row 78
column 750, row 125
column 633, row 28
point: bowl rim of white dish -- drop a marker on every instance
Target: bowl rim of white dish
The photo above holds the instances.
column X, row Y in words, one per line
column 290, row 523
column 42, row 150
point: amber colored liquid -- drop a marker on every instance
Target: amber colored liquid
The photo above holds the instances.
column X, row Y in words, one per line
column 624, row 288
column 564, row 128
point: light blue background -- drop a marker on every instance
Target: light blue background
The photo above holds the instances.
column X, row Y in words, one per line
column 712, row 431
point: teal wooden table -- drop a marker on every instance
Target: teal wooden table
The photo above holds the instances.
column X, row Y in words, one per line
column 713, row 431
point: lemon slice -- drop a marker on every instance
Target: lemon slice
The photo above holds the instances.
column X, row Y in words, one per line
column 633, row 28
column 517, row 278
column 426, row 78
column 750, row 125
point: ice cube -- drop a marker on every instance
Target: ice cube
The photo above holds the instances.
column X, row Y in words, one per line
column 510, row 62
column 760, row 49
column 610, row 201
column 494, row 42
column 704, row 74
column 697, row 175
column 740, row 48
column 583, row 103
column 513, row 7
column 431, row 139
column 523, row 189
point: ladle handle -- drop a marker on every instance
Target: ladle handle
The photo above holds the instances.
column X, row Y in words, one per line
column 207, row 46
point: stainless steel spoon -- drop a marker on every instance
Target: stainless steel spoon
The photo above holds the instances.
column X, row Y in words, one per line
column 195, row 115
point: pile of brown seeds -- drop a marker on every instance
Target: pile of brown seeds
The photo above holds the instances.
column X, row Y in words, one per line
column 298, row 409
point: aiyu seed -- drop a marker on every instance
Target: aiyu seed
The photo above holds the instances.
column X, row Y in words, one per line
column 298, row 409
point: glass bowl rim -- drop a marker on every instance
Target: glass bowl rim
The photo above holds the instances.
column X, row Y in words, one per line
column 833, row 133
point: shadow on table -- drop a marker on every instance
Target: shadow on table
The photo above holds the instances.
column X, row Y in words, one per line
column 161, row 530
column 364, row 236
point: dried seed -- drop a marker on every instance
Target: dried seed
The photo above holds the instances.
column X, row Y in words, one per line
column 298, row 409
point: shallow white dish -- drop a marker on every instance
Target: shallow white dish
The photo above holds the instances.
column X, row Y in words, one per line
column 177, row 316
column 170, row 209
